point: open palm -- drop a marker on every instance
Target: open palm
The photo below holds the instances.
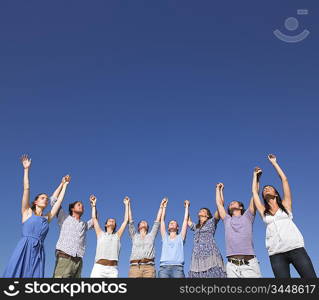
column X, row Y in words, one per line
column 26, row 161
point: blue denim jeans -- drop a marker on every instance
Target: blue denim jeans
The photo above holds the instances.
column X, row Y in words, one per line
column 171, row 271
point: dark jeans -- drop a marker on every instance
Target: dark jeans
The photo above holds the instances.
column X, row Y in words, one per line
column 298, row 258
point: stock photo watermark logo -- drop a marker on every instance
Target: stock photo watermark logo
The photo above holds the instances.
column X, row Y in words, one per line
column 12, row 290
column 292, row 24
column 71, row 289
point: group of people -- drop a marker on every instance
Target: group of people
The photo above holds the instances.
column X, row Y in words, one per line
column 284, row 241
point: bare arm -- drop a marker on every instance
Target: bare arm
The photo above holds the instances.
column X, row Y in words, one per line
column 25, row 205
column 186, row 218
column 220, row 200
column 252, row 206
column 130, row 218
column 95, row 221
column 125, row 221
column 260, row 207
column 159, row 213
column 131, row 227
column 57, row 205
column 287, row 200
column 163, row 229
column 58, row 190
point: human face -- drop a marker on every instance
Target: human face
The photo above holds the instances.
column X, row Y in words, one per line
column 110, row 224
column 42, row 201
column 143, row 225
column 269, row 192
column 172, row 226
column 235, row 208
column 78, row 208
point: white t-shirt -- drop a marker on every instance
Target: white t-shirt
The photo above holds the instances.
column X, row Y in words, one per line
column 282, row 234
column 108, row 246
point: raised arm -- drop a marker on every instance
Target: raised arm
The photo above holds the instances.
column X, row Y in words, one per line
column 160, row 210
column 131, row 227
column 25, row 205
column 186, row 218
column 163, row 228
column 57, row 204
column 126, row 214
column 252, row 206
column 287, row 199
column 220, row 200
column 95, row 221
column 58, row 190
column 256, row 176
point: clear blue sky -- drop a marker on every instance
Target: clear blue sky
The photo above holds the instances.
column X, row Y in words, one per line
column 157, row 98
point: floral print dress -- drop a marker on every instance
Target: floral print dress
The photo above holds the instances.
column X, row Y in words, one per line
column 207, row 261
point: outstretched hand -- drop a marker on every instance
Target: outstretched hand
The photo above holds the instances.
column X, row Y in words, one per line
column 26, row 161
column 66, row 179
column 220, row 186
column 93, row 200
column 258, row 171
column 272, row 158
column 126, row 200
column 164, row 202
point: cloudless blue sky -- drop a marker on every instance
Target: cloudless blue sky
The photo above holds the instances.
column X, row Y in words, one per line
column 157, row 98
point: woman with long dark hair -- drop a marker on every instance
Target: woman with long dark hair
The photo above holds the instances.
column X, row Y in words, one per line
column 284, row 242
column 28, row 258
column 207, row 261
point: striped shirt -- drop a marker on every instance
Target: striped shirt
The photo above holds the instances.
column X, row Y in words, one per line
column 72, row 237
column 143, row 247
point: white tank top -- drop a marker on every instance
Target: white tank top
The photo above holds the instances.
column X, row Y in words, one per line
column 282, row 234
column 108, row 246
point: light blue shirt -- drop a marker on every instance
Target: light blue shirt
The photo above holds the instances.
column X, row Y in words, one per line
column 172, row 251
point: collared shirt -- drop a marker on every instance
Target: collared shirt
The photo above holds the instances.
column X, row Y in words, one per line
column 72, row 237
column 143, row 247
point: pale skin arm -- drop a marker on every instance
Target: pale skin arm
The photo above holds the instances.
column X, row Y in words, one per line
column 260, row 207
column 220, row 200
column 126, row 218
column 58, row 203
column 287, row 200
column 25, row 205
column 159, row 213
column 186, row 218
column 163, row 227
column 58, row 190
column 130, row 218
column 96, row 224
column 252, row 206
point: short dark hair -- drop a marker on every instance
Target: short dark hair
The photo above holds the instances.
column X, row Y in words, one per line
column 114, row 226
column 71, row 206
column 241, row 204
column 138, row 225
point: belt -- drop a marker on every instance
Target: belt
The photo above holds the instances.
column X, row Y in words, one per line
column 65, row 255
column 240, row 259
column 106, row 262
column 142, row 261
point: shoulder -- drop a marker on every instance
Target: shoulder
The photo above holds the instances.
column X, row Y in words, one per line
column 248, row 213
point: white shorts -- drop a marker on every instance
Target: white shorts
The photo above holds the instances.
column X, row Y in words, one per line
column 100, row 271
column 251, row 270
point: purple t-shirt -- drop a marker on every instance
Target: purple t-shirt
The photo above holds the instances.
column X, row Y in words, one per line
column 239, row 234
